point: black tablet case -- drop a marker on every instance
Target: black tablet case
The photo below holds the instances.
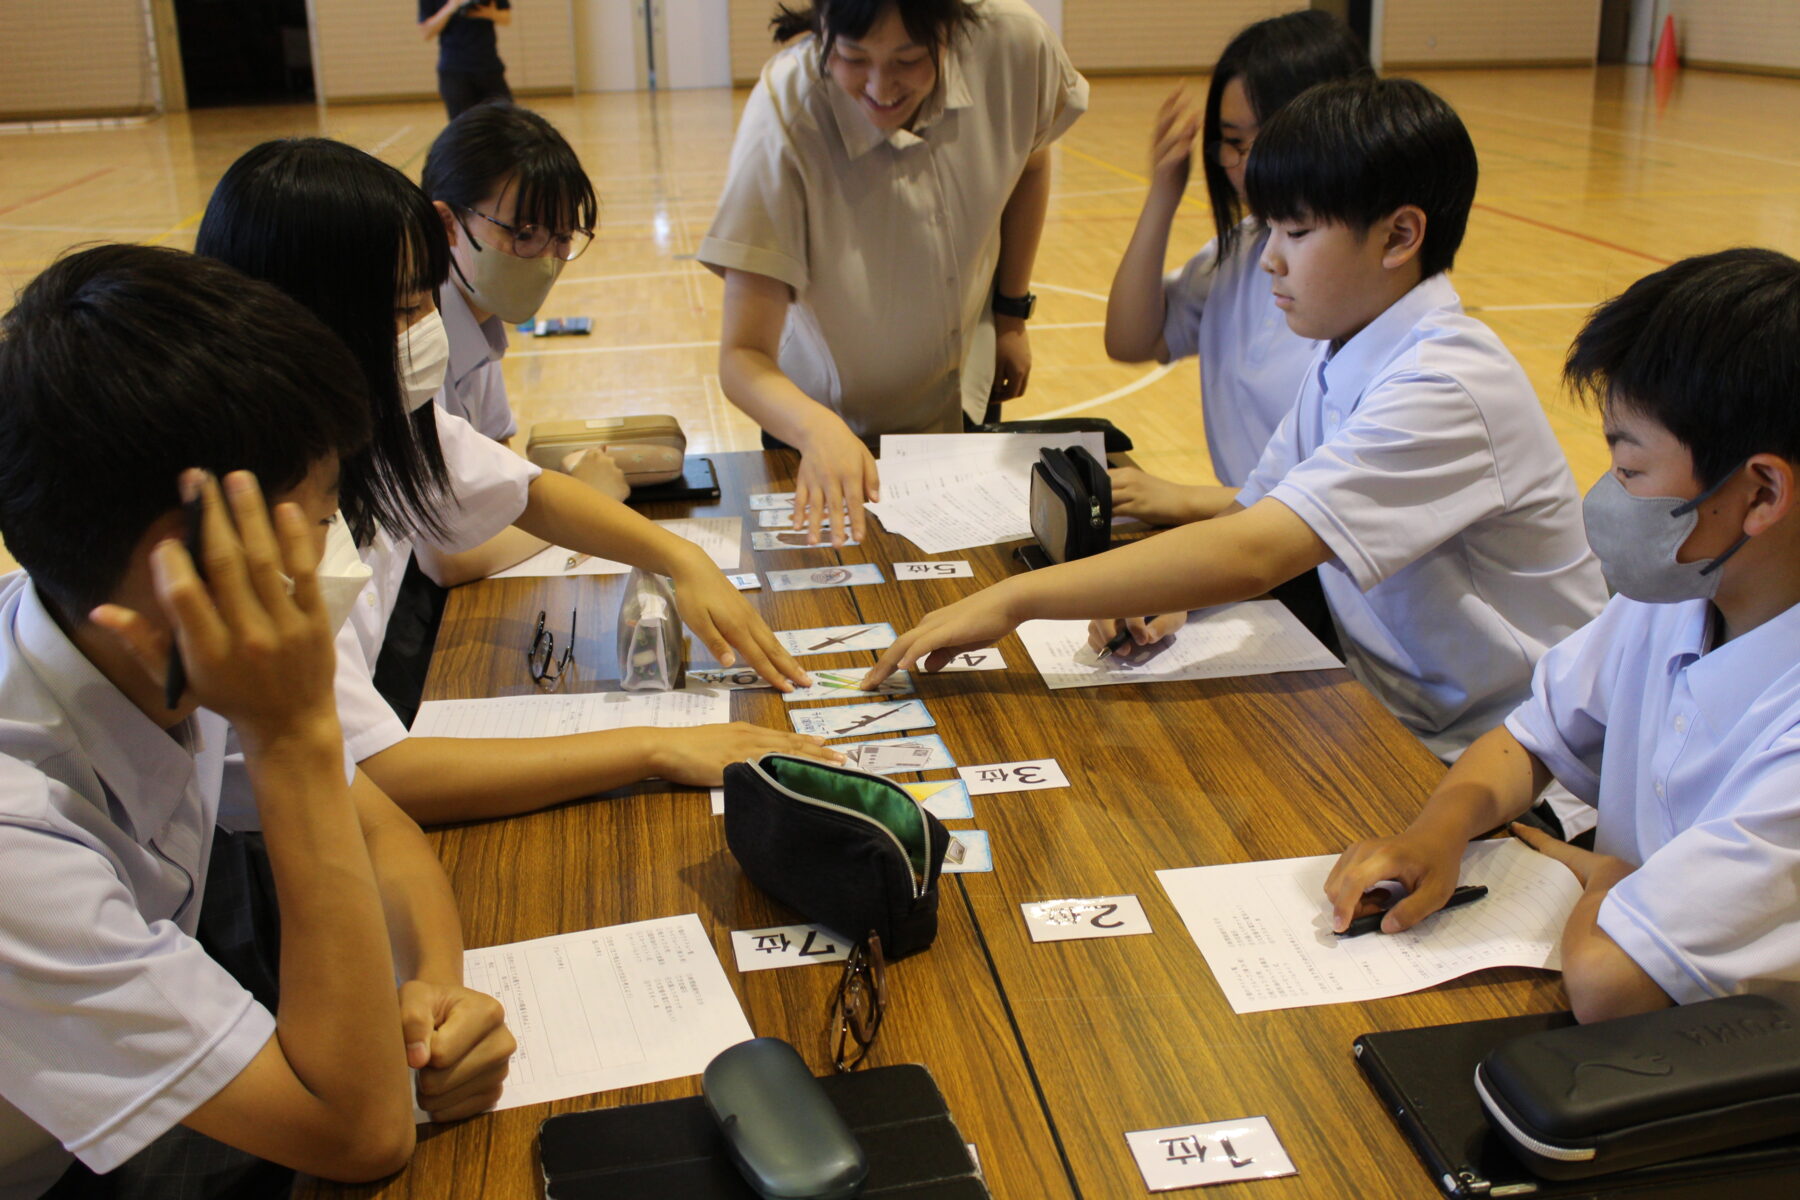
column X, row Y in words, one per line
column 1425, row 1078
column 673, row 1148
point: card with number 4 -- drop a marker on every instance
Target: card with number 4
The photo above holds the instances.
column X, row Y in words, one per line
column 860, row 720
column 1093, row 917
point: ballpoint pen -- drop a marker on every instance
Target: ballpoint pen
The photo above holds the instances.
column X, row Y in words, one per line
column 1372, row 921
column 1089, row 657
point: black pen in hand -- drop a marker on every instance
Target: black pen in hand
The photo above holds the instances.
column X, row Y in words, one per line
column 1372, row 921
column 1093, row 658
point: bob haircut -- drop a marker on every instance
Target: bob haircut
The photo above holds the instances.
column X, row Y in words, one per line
column 121, row 367
column 1275, row 60
column 1352, row 151
column 930, row 23
column 498, row 144
column 347, row 236
column 1709, row 349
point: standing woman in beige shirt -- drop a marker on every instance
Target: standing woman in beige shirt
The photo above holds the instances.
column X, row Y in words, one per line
column 876, row 234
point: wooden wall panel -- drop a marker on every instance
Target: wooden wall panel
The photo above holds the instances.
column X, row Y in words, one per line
column 373, row 51
column 1157, row 35
column 77, row 58
column 1747, row 33
column 1447, row 32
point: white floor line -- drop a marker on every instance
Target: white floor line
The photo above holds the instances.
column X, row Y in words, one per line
column 1118, row 393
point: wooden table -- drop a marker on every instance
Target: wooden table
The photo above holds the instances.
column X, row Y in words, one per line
column 1048, row 1053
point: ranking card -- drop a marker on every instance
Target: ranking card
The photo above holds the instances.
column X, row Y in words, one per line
column 1090, row 917
column 1185, row 1156
column 976, row 660
column 1035, row 775
column 787, row 946
column 945, row 568
column 836, row 637
column 860, row 720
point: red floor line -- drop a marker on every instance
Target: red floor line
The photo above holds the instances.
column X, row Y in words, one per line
column 56, row 191
column 1501, row 212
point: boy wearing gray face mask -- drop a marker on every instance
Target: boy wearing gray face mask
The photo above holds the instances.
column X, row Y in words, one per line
column 1676, row 713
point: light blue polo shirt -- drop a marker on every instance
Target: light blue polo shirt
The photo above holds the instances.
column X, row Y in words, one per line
column 114, row 1023
column 474, row 386
column 1691, row 754
column 1419, row 454
column 1251, row 363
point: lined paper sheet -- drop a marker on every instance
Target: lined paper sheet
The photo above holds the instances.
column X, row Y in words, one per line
column 608, row 1008
column 953, row 491
column 1266, row 933
column 579, row 712
column 721, row 537
column 1256, row 637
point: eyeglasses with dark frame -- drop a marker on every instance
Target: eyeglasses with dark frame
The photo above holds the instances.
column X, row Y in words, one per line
column 546, row 669
column 529, row 241
column 859, row 1005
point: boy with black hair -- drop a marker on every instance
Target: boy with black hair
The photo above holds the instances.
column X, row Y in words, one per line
column 1677, row 712
column 1416, row 469
column 134, row 380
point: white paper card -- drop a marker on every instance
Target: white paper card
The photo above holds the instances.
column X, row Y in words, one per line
column 608, row 1008
column 783, row 518
column 809, row 578
column 946, row 568
column 861, row 720
column 734, row 679
column 765, row 500
column 969, row 853
column 1093, row 917
column 721, row 537
column 945, row 799
column 747, row 582
column 1032, row 776
column 975, row 660
column 573, row 712
column 718, row 801
column 843, row 684
column 829, row 638
column 1185, row 1156
column 1256, row 637
column 786, row 946
column 891, row 757
column 1266, row 934
column 790, row 539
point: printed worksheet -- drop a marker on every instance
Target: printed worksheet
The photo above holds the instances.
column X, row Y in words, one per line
column 608, row 1008
column 1256, row 637
column 947, row 492
column 1266, row 933
column 577, row 712
column 721, row 538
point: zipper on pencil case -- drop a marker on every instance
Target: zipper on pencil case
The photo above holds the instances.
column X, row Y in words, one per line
column 917, row 882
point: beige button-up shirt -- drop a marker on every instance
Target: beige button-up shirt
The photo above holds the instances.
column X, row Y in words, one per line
column 890, row 240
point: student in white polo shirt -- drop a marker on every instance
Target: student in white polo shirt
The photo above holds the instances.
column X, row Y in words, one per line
column 878, row 226
column 1218, row 306
column 124, row 1042
column 1416, row 471
column 361, row 246
column 1677, row 712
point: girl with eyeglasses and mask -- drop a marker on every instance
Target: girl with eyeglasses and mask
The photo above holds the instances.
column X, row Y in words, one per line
column 361, row 246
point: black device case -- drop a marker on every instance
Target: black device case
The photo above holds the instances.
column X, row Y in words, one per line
column 1425, row 1079
column 1593, row 1099
column 1071, row 504
column 1117, row 440
column 673, row 1148
column 845, row 849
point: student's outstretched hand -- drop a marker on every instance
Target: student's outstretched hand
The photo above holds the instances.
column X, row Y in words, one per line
column 698, row 756
column 458, row 1042
column 1427, row 866
column 1153, row 499
column 717, row 614
column 255, row 653
column 1144, row 631
column 596, row 468
column 970, row 624
column 1172, row 141
column 837, row 476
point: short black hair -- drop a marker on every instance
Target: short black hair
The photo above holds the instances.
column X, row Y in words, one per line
column 121, row 367
column 1354, row 150
column 346, row 234
column 493, row 143
column 1275, row 60
column 931, row 23
column 1709, row 349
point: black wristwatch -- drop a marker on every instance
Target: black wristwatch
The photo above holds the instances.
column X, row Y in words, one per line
column 1015, row 306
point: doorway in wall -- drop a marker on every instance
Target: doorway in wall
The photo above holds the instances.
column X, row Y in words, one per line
column 244, row 52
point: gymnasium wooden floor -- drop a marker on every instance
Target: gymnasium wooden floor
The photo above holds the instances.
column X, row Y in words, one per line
column 1589, row 181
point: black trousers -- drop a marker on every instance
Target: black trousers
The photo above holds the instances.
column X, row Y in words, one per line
column 465, row 89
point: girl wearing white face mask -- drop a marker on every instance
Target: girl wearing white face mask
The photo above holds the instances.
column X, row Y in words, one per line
column 360, row 245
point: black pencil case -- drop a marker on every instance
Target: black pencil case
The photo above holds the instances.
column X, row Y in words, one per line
column 1591, row 1099
column 845, row 849
column 1071, row 504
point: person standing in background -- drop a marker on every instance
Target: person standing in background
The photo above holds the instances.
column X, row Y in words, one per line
column 469, row 67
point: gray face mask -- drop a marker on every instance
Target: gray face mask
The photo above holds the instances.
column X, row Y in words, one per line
column 510, row 287
column 1637, row 538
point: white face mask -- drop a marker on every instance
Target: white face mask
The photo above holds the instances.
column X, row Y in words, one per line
column 423, row 352
column 341, row 574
